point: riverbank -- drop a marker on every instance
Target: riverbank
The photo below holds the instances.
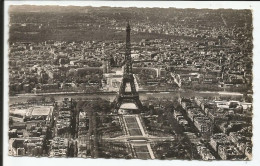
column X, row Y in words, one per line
column 114, row 93
column 144, row 95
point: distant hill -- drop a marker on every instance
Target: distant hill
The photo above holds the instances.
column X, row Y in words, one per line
column 40, row 23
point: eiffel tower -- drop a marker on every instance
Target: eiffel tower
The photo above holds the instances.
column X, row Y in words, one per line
column 128, row 79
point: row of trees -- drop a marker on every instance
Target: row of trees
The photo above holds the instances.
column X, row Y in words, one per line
column 42, row 100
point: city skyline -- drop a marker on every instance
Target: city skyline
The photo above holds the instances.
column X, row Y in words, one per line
column 187, row 71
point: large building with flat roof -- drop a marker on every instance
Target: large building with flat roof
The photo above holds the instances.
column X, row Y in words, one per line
column 39, row 112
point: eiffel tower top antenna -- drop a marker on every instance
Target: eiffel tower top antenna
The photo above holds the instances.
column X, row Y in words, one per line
column 128, row 23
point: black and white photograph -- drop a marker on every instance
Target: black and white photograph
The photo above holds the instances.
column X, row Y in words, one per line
column 129, row 83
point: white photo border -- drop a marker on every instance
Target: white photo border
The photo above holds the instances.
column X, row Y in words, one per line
column 33, row 161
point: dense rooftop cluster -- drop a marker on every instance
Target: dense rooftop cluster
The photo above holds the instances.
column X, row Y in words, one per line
column 184, row 51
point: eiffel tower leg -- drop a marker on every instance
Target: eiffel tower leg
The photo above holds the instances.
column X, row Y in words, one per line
column 138, row 104
column 122, row 87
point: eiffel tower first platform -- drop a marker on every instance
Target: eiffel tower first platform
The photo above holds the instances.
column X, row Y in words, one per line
column 131, row 96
